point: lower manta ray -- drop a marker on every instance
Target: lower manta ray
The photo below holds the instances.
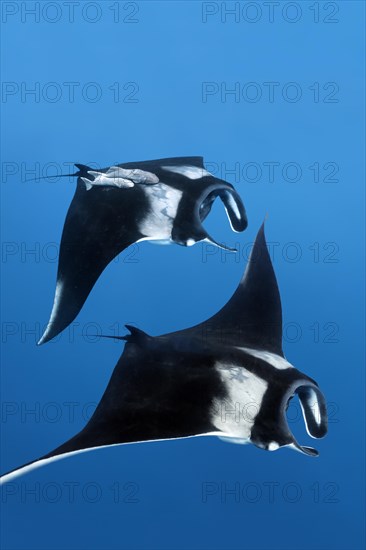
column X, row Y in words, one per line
column 189, row 383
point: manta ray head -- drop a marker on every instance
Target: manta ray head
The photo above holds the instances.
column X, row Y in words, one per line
column 188, row 229
column 271, row 429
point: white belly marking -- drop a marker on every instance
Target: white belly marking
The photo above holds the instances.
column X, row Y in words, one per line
column 164, row 202
column 235, row 414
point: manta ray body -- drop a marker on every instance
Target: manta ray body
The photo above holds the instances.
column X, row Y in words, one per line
column 162, row 200
column 225, row 377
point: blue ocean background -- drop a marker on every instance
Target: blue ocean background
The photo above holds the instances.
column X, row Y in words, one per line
column 152, row 80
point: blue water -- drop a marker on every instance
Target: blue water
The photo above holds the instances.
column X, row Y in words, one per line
column 152, row 80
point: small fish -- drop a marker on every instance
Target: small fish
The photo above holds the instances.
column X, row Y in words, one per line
column 119, row 177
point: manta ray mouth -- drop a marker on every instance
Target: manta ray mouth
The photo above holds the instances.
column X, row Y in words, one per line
column 234, row 208
column 314, row 413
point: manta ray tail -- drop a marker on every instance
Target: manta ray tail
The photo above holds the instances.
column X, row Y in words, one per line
column 136, row 335
column 81, row 168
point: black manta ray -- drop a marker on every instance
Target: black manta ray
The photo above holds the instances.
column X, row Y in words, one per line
column 190, row 382
column 159, row 200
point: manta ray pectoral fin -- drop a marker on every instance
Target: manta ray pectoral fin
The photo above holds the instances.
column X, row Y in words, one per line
column 253, row 315
column 82, row 442
column 99, row 225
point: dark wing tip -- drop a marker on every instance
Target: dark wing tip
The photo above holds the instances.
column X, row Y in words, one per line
column 261, row 236
column 48, row 334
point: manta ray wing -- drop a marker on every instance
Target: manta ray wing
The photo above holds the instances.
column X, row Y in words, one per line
column 253, row 315
column 100, row 223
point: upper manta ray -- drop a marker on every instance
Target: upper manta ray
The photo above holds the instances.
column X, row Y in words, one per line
column 226, row 377
column 157, row 200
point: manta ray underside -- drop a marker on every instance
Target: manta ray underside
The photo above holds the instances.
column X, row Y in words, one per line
column 160, row 200
column 185, row 383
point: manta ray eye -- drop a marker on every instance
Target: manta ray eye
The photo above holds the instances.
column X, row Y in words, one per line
column 206, row 205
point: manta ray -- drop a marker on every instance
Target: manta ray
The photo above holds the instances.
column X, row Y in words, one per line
column 163, row 200
column 192, row 382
